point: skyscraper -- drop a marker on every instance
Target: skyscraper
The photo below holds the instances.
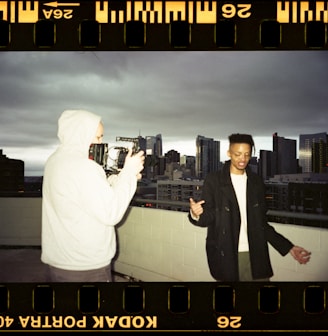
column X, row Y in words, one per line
column 313, row 152
column 154, row 145
column 153, row 164
column 267, row 164
column 320, row 157
column 207, row 156
column 285, row 155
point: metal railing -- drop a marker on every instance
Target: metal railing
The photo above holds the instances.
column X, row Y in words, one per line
column 279, row 216
column 298, row 218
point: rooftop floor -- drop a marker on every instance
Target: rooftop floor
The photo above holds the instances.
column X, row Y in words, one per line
column 23, row 264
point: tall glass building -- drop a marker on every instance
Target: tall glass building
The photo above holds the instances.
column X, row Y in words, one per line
column 285, row 155
column 313, row 152
column 207, row 156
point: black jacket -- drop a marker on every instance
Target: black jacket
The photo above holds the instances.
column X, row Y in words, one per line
column 221, row 216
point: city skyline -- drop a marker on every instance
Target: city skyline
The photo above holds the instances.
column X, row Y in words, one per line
column 177, row 94
column 223, row 155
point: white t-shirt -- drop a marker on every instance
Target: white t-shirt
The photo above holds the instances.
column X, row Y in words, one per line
column 239, row 183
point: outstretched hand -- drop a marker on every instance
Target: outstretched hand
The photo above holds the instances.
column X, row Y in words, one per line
column 196, row 208
column 300, row 254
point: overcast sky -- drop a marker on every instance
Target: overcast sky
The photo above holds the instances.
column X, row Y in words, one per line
column 177, row 94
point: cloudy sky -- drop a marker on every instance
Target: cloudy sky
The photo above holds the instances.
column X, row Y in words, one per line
column 177, row 94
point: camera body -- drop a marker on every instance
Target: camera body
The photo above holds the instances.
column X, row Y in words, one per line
column 100, row 154
column 124, row 150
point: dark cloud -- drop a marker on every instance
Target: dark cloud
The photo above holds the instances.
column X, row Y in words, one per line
column 178, row 94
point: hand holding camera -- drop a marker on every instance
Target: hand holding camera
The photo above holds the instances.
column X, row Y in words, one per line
column 134, row 162
column 131, row 158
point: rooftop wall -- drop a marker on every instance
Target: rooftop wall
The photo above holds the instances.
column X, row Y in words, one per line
column 162, row 245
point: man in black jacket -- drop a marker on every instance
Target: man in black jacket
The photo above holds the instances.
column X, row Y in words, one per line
column 233, row 208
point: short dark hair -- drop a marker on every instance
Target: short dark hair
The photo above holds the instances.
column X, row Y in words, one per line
column 242, row 138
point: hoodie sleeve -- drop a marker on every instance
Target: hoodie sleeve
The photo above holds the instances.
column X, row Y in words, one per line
column 107, row 200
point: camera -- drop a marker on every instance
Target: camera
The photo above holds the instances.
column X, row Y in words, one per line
column 100, row 154
column 123, row 151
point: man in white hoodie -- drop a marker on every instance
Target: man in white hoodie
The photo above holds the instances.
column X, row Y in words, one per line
column 80, row 205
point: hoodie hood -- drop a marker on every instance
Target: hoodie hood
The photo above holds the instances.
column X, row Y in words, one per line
column 77, row 128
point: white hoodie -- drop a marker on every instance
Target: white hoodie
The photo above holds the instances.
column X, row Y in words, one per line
column 80, row 206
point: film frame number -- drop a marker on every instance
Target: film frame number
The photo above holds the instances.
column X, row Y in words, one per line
column 242, row 10
column 6, row 321
column 229, row 321
column 58, row 13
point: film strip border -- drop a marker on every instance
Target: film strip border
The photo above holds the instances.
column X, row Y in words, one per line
column 163, row 25
column 135, row 306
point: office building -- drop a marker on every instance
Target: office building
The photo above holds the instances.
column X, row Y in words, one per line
column 154, row 145
column 177, row 193
column 11, row 174
column 154, row 164
column 188, row 165
column 172, row 156
column 207, row 156
column 313, row 152
column 267, row 163
column 285, row 155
